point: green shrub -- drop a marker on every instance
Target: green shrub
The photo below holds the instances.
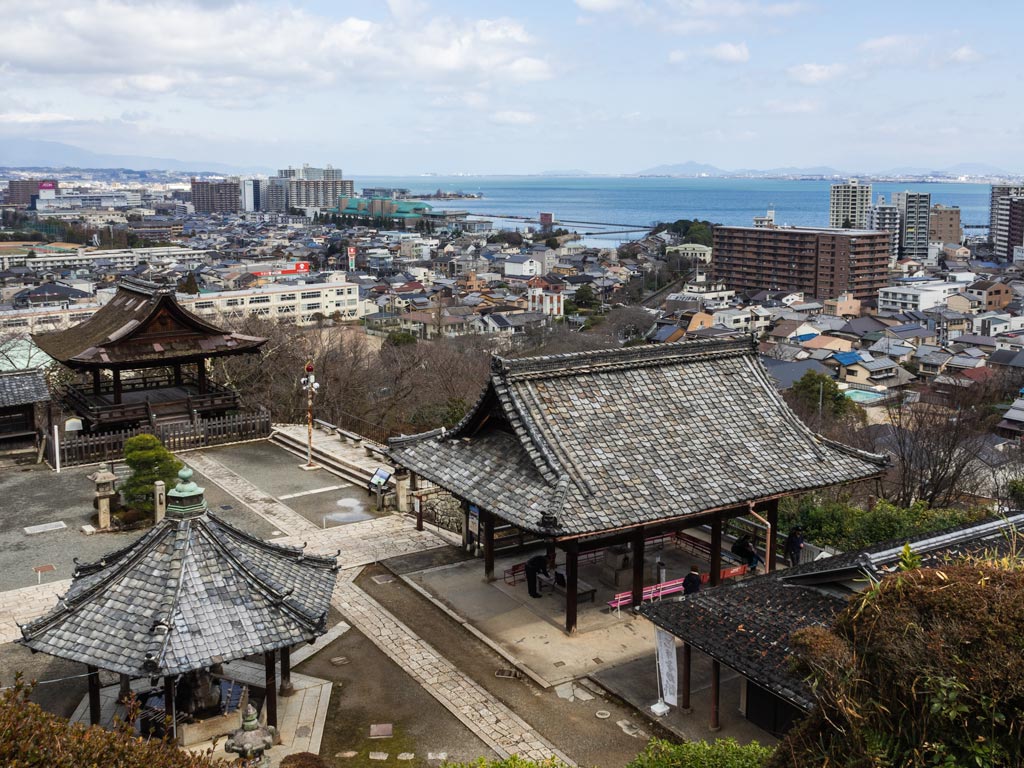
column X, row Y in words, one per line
column 30, row 736
column 149, row 461
column 721, row 753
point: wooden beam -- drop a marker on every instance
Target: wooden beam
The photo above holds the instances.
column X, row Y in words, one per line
column 201, row 376
column 638, row 568
column 177, row 374
column 270, row 685
column 117, row 386
column 716, row 551
column 487, row 522
column 571, row 586
column 96, row 381
column 687, row 661
column 94, row 695
column 772, row 513
column 716, row 679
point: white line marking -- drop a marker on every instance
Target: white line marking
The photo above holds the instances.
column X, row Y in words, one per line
column 325, row 489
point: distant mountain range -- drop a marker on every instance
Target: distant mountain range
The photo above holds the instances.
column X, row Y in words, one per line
column 691, row 168
column 33, row 153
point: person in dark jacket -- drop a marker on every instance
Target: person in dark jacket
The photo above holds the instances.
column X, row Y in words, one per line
column 793, row 546
column 691, row 584
column 536, row 564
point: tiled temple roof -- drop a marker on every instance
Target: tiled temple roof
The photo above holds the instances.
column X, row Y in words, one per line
column 596, row 441
column 144, row 324
column 22, row 388
column 192, row 592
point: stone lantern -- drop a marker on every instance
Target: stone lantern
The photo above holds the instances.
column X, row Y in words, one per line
column 104, row 480
column 251, row 741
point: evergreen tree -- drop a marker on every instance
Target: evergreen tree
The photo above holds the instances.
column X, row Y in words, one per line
column 149, row 461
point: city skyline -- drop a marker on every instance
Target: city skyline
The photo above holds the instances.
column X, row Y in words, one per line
column 604, row 86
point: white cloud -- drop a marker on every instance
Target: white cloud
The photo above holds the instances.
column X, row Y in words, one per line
column 237, row 51
column 887, row 43
column 513, row 117
column 604, row 6
column 732, row 53
column 23, row 118
column 815, row 74
column 965, row 54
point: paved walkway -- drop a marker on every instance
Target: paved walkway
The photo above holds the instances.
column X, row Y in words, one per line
column 494, row 723
column 19, row 606
column 333, row 445
column 283, row 517
column 368, row 541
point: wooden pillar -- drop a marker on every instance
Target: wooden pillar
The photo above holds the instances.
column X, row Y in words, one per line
column 716, row 550
column 638, row 568
column 177, row 374
column 687, row 661
column 287, row 689
column 96, row 381
column 572, row 570
column 171, row 720
column 117, row 386
column 270, row 684
column 94, row 695
column 125, row 689
column 201, row 376
column 716, row 679
column 487, row 521
column 549, row 552
column 772, row 516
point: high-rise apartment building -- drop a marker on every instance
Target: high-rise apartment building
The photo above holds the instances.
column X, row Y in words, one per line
column 309, row 187
column 944, row 224
column 275, row 195
column 216, row 196
column 1008, row 231
column 885, row 217
column 21, row 191
column 998, row 191
column 823, row 263
column 849, row 204
column 915, row 216
column 306, row 193
column 252, row 194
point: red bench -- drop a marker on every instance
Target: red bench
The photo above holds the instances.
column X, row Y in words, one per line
column 666, row 588
column 515, row 574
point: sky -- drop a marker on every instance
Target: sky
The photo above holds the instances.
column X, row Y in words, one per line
column 456, row 86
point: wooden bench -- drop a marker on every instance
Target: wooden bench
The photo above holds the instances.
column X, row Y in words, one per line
column 671, row 587
column 585, row 593
column 516, row 573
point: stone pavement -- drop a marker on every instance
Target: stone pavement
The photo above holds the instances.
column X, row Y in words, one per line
column 273, row 511
column 494, row 723
column 333, row 445
column 19, row 606
column 368, row 541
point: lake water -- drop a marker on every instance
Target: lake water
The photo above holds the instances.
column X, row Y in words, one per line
column 643, row 201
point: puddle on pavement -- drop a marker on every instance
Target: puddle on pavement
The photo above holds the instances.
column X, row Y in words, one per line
column 348, row 511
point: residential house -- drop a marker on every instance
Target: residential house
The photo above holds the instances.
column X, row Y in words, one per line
column 993, row 296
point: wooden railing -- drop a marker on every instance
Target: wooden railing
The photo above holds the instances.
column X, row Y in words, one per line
column 90, row 448
column 213, row 400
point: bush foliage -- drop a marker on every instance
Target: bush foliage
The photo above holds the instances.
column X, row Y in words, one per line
column 149, row 461
column 29, row 736
column 721, row 753
column 925, row 669
column 846, row 527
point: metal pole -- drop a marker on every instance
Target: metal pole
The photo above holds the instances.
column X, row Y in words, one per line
column 56, row 447
column 309, row 424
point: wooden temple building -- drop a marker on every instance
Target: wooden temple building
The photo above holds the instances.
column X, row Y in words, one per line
column 588, row 450
column 143, row 358
column 189, row 595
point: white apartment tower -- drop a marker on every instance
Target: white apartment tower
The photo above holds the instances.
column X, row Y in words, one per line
column 915, row 218
column 885, row 217
column 849, row 204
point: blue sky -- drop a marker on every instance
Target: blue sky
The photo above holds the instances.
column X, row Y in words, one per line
column 613, row 86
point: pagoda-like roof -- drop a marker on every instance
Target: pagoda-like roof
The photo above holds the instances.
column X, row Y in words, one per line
column 143, row 325
column 192, row 592
column 582, row 443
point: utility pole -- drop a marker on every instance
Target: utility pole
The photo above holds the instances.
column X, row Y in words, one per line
column 310, row 384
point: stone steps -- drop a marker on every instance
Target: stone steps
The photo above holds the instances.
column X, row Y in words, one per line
column 354, row 473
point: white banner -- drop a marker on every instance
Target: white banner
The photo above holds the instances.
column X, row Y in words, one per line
column 668, row 670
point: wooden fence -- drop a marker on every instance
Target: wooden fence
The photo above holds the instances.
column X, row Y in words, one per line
column 177, row 436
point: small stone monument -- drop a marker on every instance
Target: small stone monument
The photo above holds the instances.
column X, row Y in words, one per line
column 159, row 501
column 104, row 480
column 251, row 741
